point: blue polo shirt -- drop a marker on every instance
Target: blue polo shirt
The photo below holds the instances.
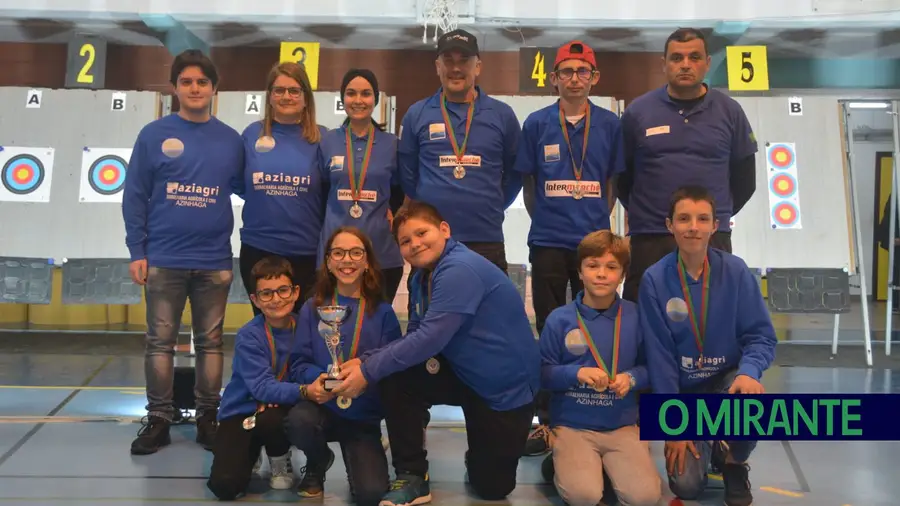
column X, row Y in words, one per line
column 670, row 146
column 559, row 220
column 376, row 191
column 474, row 205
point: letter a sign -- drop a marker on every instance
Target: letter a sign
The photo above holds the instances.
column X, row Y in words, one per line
column 253, row 104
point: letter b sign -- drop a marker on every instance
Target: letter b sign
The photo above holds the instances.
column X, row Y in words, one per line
column 795, row 106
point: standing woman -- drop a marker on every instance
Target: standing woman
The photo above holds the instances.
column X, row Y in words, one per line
column 359, row 160
column 285, row 193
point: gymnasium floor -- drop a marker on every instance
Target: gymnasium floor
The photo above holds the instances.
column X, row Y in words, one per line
column 70, row 403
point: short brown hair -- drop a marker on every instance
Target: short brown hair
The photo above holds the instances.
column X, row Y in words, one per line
column 271, row 267
column 416, row 209
column 326, row 283
column 601, row 242
column 298, row 73
column 692, row 192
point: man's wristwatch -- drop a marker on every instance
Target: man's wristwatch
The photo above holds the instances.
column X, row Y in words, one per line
column 303, row 392
column 631, row 381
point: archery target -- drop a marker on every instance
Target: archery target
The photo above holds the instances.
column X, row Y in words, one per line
column 781, row 156
column 785, row 215
column 784, row 185
column 22, row 174
column 103, row 173
column 25, row 174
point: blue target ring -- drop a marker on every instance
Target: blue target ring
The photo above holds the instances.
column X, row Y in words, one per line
column 22, row 174
column 107, row 174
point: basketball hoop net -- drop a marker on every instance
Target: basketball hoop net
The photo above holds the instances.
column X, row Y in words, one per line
column 442, row 15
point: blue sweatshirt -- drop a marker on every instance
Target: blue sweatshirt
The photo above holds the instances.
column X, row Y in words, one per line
column 564, row 351
column 253, row 380
column 378, row 330
column 474, row 205
column 559, row 220
column 376, row 195
column 284, row 202
column 177, row 198
column 739, row 328
column 476, row 319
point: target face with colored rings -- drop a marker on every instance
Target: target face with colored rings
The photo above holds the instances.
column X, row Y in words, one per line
column 107, row 174
column 785, row 214
column 784, row 185
column 22, row 174
column 781, row 156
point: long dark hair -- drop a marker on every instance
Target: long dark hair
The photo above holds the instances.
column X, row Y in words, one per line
column 371, row 279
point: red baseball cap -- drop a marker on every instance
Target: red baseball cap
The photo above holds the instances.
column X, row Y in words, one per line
column 575, row 50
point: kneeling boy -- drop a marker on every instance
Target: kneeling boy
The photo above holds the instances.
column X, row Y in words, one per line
column 694, row 292
column 592, row 360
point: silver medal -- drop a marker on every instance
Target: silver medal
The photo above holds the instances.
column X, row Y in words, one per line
column 433, row 366
column 459, row 172
column 356, row 210
column 578, row 193
column 249, row 422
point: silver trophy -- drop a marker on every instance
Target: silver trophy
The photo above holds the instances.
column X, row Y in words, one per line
column 330, row 320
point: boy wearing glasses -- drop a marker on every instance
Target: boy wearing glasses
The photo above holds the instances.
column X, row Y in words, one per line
column 570, row 154
column 257, row 398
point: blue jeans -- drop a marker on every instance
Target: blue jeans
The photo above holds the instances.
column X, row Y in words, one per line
column 692, row 483
column 310, row 427
column 166, row 292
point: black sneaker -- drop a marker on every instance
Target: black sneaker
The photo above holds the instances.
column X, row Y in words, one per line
column 153, row 435
column 206, row 430
column 313, row 482
column 737, row 485
column 538, row 442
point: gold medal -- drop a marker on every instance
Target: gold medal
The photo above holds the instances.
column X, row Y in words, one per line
column 578, row 193
column 700, row 362
column 433, row 366
column 344, row 402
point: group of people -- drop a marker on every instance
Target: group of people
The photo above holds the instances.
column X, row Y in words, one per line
column 331, row 216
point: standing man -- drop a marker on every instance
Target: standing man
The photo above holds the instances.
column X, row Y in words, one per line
column 570, row 155
column 178, row 226
column 457, row 150
column 682, row 134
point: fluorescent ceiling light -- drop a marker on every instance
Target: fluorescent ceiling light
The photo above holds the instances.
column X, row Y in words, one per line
column 869, row 105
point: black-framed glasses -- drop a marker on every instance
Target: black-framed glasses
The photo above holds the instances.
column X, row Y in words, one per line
column 279, row 91
column 338, row 254
column 283, row 291
column 583, row 73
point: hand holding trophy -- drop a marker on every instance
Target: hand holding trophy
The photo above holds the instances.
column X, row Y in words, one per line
column 330, row 320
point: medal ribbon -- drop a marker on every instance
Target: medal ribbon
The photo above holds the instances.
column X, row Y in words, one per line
column 424, row 299
column 593, row 346
column 356, row 187
column 699, row 330
column 584, row 143
column 271, row 339
column 459, row 152
column 357, row 328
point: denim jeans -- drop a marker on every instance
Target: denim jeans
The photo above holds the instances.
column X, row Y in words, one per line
column 166, row 292
column 310, row 427
column 692, row 483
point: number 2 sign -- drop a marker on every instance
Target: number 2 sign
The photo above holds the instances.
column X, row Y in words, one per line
column 86, row 63
column 748, row 68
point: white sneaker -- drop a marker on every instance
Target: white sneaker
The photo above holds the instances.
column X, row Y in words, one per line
column 282, row 472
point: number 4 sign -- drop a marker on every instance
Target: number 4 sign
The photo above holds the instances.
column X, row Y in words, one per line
column 748, row 68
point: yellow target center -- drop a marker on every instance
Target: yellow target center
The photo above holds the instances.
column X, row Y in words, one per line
column 783, row 185
column 22, row 174
column 785, row 214
column 108, row 175
column 781, row 156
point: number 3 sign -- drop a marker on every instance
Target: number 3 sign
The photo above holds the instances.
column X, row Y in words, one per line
column 748, row 68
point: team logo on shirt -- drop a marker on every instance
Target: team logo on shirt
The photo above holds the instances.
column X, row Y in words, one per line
column 173, row 148
column 551, row 153
column 364, row 196
column 658, row 130
column 676, row 309
column 589, row 189
column 280, row 184
column 467, row 160
column 337, row 163
column 710, row 367
column 191, row 195
column 436, row 132
column 575, row 342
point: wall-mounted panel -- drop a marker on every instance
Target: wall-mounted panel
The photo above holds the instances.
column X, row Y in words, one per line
column 98, row 281
column 815, row 291
column 25, row 280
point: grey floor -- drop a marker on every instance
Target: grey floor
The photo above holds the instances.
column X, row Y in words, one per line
column 67, row 418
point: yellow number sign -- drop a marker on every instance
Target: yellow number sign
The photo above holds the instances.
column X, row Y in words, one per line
column 306, row 54
column 748, row 68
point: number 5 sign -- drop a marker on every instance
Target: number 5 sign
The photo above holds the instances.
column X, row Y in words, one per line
column 748, row 68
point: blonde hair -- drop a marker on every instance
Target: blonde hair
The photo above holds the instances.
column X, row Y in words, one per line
column 298, row 73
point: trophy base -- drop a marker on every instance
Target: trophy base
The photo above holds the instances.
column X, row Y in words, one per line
column 331, row 384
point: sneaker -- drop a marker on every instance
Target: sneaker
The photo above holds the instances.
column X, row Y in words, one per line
column 257, row 467
column 282, row 472
column 313, row 482
column 206, row 430
column 717, row 459
column 737, row 485
column 538, row 442
column 153, row 435
column 407, row 490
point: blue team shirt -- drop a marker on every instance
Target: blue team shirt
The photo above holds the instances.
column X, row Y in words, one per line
column 284, row 199
column 564, row 351
column 177, row 198
column 474, row 205
column 559, row 220
column 670, row 147
column 376, row 195
column 490, row 345
column 739, row 328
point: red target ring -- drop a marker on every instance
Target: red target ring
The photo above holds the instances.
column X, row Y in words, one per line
column 784, row 185
column 785, row 214
column 781, row 156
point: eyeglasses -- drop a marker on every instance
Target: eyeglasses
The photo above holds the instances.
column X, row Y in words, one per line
column 338, row 254
column 279, row 91
column 583, row 73
column 283, row 291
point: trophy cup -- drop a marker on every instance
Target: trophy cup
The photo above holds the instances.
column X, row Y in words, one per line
column 330, row 320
